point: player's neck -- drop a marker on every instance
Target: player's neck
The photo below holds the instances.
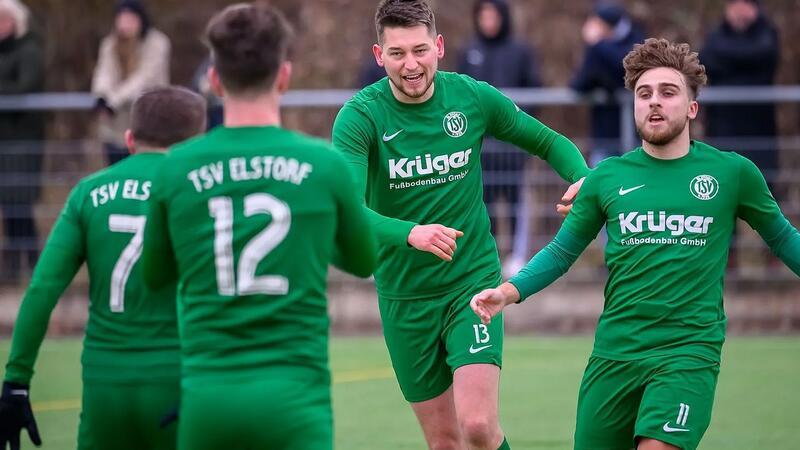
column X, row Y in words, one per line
column 676, row 148
column 263, row 110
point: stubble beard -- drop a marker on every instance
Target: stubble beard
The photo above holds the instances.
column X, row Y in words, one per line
column 410, row 94
column 673, row 130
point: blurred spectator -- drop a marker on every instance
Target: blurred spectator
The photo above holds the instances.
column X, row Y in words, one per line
column 609, row 34
column 494, row 56
column 370, row 72
column 132, row 59
column 21, row 139
column 743, row 51
column 201, row 85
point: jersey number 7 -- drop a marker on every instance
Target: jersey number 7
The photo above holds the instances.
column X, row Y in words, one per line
column 122, row 223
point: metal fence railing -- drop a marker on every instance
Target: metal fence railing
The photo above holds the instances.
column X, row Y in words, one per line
column 520, row 193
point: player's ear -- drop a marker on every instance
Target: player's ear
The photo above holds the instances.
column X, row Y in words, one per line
column 694, row 107
column 440, row 46
column 284, row 76
column 377, row 51
column 130, row 142
column 214, row 82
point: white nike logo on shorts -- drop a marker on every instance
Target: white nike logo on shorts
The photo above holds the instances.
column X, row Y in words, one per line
column 669, row 429
column 474, row 350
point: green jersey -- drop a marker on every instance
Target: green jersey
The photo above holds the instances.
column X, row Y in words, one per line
column 669, row 226
column 248, row 219
column 420, row 164
column 132, row 331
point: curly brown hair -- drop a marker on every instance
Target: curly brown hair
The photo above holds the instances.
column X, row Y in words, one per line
column 655, row 53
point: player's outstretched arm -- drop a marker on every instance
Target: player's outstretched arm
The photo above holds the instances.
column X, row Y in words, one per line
column 16, row 414
column 354, row 136
column 760, row 210
column 550, row 263
column 356, row 246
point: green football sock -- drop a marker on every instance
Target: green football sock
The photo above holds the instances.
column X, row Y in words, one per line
column 504, row 445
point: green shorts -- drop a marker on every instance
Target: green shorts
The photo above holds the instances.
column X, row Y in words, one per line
column 429, row 339
column 667, row 398
column 256, row 413
column 127, row 416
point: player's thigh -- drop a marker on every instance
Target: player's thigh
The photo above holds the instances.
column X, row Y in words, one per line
column 125, row 416
column 413, row 334
column 475, row 393
column 469, row 341
column 677, row 401
column 608, row 401
column 279, row 414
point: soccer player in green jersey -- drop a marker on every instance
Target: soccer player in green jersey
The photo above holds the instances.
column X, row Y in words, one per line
column 414, row 142
column 130, row 352
column 670, row 208
column 248, row 218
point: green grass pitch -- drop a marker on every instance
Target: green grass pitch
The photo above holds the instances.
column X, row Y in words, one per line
column 757, row 404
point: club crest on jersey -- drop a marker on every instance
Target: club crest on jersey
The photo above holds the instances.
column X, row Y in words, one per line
column 455, row 124
column 704, row 187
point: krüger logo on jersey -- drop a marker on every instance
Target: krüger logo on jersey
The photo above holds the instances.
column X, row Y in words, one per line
column 407, row 169
column 428, row 164
column 676, row 224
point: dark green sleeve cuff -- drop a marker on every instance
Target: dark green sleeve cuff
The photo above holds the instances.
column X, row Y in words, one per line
column 550, row 263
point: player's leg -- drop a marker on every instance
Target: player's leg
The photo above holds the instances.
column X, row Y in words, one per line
column 412, row 331
column 126, row 416
column 437, row 418
column 291, row 413
column 677, row 401
column 608, row 401
column 476, row 389
column 474, row 352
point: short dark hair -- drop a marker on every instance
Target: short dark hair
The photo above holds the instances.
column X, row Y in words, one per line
column 164, row 116
column 248, row 44
column 404, row 14
column 654, row 53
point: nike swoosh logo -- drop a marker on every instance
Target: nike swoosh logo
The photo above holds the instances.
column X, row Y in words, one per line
column 21, row 392
column 474, row 350
column 629, row 190
column 669, row 429
column 391, row 136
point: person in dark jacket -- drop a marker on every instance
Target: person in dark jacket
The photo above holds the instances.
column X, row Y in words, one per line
column 743, row 51
column 494, row 56
column 21, row 140
column 609, row 34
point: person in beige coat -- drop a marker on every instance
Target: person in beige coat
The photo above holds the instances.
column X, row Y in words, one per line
column 134, row 57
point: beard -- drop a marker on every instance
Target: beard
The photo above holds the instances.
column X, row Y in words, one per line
column 412, row 94
column 664, row 136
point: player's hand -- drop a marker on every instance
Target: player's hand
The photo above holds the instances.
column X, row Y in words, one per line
column 16, row 414
column 572, row 191
column 437, row 239
column 489, row 302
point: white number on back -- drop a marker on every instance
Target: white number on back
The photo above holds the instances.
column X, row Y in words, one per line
column 121, row 223
column 247, row 283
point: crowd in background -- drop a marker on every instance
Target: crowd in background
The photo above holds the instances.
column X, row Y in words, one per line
column 743, row 49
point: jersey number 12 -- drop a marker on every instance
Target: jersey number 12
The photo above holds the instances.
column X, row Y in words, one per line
column 244, row 281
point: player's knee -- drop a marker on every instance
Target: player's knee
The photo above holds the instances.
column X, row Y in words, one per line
column 480, row 432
